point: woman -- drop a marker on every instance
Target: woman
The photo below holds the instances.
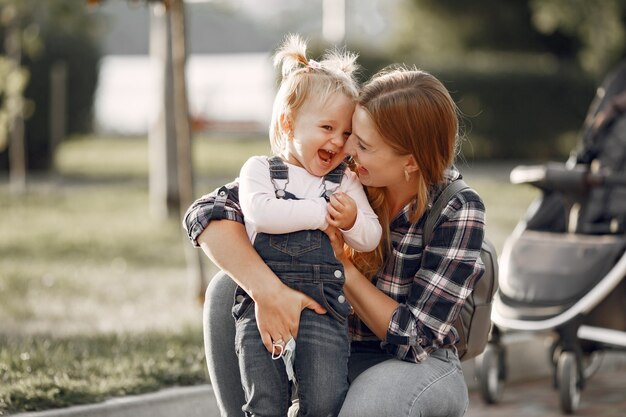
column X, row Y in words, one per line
column 405, row 295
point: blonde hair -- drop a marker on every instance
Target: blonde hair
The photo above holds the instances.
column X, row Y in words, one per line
column 304, row 78
column 414, row 114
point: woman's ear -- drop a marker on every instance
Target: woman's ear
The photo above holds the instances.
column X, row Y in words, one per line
column 410, row 165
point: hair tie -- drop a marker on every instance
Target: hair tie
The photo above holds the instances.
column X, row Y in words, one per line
column 314, row 64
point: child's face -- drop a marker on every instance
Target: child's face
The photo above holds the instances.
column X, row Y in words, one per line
column 319, row 132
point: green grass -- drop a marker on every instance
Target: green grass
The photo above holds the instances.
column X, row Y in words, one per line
column 44, row 372
column 91, row 156
column 95, row 300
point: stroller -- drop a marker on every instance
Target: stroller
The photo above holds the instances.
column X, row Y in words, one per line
column 562, row 269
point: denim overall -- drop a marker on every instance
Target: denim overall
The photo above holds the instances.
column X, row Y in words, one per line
column 304, row 261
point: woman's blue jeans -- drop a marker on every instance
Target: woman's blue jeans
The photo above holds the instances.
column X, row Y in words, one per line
column 380, row 385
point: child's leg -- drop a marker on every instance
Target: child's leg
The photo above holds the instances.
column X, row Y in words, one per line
column 264, row 380
column 321, row 364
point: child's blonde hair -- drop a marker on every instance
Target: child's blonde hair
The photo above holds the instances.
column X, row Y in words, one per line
column 303, row 78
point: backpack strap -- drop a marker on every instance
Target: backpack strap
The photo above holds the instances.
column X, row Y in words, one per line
column 440, row 203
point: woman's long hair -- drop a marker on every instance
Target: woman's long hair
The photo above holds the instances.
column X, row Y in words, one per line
column 414, row 114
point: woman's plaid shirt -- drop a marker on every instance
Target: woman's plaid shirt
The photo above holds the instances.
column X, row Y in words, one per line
column 430, row 283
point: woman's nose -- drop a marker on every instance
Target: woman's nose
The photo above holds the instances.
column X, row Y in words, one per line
column 349, row 147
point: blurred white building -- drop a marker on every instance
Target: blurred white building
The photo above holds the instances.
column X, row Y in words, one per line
column 230, row 77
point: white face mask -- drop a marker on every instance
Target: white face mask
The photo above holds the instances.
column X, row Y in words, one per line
column 287, row 352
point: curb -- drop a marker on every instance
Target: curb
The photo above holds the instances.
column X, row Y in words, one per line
column 526, row 359
column 195, row 401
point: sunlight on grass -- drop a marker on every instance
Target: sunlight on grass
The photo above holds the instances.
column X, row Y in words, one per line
column 92, row 260
column 44, row 372
column 115, row 157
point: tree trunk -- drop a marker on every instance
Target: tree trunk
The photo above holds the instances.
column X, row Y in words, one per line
column 183, row 136
column 163, row 184
column 58, row 107
column 17, row 143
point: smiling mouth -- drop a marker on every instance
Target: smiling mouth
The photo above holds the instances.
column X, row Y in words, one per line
column 326, row 155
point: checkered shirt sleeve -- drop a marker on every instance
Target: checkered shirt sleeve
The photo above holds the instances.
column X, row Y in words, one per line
column 432, row 286
column 220, row 204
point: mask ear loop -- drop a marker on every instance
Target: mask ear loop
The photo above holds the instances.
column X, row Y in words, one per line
column 278, row 350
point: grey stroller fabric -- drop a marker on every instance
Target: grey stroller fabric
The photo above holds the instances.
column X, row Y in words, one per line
column 576, row 231
column 603, row 147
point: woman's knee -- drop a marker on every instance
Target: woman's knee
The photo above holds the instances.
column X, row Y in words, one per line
column 395, row 388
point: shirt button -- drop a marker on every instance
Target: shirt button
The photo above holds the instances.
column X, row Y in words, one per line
column 337, row 273
column 341, row 299
column 239, row 298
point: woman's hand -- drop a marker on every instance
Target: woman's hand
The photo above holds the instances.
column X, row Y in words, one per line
column 278, row 313
column 277, row 306
column 337, row 242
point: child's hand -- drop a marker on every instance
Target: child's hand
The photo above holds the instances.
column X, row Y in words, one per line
column 341, row 211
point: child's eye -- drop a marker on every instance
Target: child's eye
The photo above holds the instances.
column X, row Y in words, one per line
column 347, row 134
column 327, row 127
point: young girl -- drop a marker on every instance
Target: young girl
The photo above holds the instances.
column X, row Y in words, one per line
column 287, row 201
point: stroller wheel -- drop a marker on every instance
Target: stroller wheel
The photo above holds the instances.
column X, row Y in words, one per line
column 490, row 373
column 569, row 382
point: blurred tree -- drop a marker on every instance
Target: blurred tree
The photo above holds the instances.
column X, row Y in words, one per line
column 598, row 25
column 589, row 33
column 523, row 72
column 53, row 32
column 20, row 38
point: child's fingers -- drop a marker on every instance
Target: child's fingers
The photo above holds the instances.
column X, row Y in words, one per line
column 331, row 221
column 337, row 199
column 333, row 211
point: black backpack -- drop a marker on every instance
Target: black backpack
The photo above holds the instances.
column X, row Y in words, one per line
column 474, row 321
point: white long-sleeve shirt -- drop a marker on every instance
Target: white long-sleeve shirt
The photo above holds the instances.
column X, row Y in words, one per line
column 264, row 213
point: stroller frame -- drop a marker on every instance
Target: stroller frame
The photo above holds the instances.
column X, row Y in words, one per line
column 526, row 309
column 568, row 356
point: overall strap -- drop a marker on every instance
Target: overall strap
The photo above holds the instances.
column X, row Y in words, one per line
column 334, row 177
column 336, row 174
column 442, row 201
column 278, row 171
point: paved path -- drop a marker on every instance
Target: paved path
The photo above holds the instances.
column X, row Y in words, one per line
column 604, row 396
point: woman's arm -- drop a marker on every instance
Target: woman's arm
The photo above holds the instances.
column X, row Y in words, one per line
column 277, row 306
column 372, row 306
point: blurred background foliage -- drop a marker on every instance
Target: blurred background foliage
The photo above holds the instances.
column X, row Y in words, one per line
column 522, row 72
column 52, row 32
